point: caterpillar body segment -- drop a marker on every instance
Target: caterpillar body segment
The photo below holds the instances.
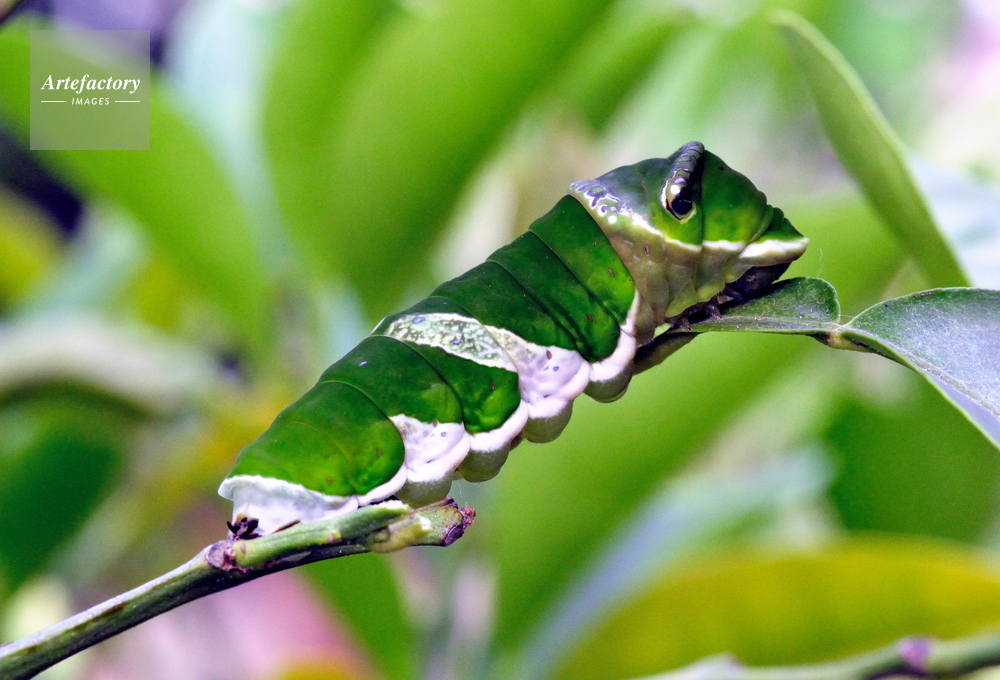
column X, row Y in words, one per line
column 445, row 388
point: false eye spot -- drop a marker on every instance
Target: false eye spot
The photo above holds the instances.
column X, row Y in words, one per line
column 677, row 198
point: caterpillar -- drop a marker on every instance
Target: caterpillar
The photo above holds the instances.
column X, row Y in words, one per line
column 447, row 387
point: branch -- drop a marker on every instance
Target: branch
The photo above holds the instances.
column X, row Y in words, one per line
column 916, row 657
column 385, row 527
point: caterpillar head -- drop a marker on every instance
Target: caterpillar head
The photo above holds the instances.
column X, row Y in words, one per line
column 687, row 225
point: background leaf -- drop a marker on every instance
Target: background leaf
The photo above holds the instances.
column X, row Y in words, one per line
column 688, row 515
column 60, row 451
column 627, row 43
column 794, row 608
column 175, row 190
column 869, row 149
column 912, row 464
column 418, row 118
column 320, row 45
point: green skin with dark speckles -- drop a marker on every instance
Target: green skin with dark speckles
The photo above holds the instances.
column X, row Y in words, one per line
column 569, row 282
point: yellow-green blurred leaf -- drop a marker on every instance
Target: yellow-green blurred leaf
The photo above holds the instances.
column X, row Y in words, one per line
column 317, row 671
column 796, row 608
column 28, row 248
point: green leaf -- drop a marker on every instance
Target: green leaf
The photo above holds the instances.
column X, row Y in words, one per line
column 627, row 43
column 799, row 305
column 793, row 306
column 951, row 336
column 176, row 190
column 60, row 451
column 914, row 465
column 796, row 608
column 688, row 514
column 320, row 44
column 418, row 118
column 869, row 149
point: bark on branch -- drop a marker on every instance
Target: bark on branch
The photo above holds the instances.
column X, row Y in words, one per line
column 376, row 528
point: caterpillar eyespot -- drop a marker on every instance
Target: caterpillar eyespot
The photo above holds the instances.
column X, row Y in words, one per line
column 447, row 387
column 678, row 198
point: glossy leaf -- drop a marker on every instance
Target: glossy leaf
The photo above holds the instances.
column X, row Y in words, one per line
column 176, row 190
column 795, row 608
column 869, row 149
column 800, row 305
column 950, row 336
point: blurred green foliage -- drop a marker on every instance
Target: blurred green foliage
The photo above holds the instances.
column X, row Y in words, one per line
column 289, row 200
column 935, row 475
column 60, row 451
column 801, row 608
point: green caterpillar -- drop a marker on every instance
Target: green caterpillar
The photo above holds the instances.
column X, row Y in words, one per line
column 447, row 387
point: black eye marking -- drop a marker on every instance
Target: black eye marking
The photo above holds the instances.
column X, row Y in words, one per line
column 678, row 197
